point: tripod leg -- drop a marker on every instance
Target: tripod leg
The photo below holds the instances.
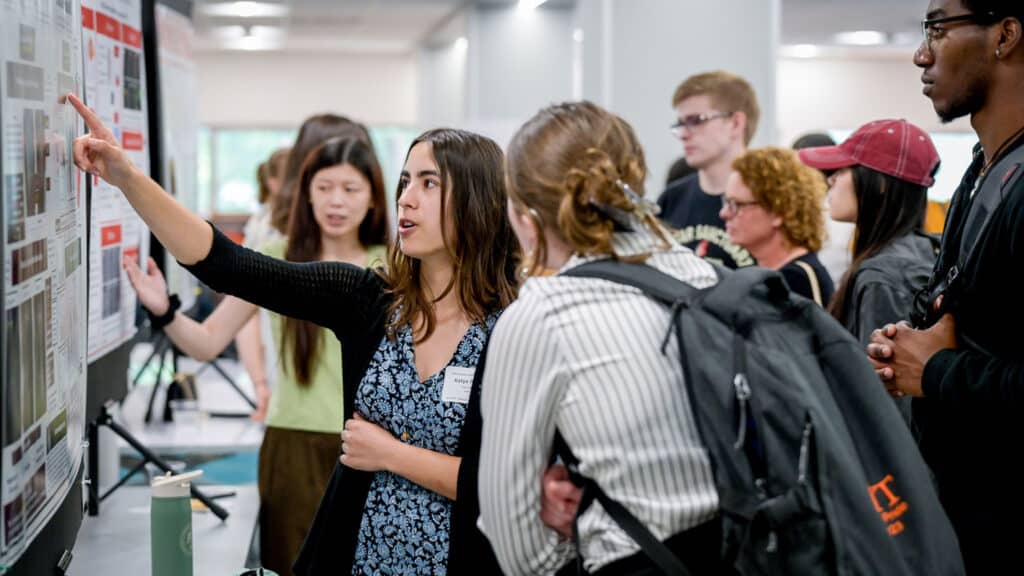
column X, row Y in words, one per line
column 158, row 341
column 232, row 383
column 94, row 468
column 156, row 385
column 156, row 460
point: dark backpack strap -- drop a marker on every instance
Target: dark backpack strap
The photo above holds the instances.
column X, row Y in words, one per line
column 660, row 555
column 988, row 196
column 651, row 281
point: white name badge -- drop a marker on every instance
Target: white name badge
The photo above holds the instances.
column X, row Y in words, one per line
column 458, row 382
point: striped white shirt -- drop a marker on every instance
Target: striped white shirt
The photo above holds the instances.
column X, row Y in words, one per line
column 584, row 355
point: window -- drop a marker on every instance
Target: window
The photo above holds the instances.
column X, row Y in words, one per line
column 228, row 158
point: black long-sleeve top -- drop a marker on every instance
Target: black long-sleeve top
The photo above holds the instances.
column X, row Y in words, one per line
column 353, row 303
column 969, row 418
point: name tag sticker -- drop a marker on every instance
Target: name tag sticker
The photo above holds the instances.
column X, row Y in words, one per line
column 458, row 382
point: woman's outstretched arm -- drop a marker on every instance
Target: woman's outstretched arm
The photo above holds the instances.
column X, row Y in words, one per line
column 184, row 234
column 335, row 295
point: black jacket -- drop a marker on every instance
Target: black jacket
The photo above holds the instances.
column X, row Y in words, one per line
column 883, row 288
column 884, row 285
column 969, row 417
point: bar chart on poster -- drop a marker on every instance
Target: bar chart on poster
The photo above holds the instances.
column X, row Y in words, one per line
column 115, row 88
column 43, row 343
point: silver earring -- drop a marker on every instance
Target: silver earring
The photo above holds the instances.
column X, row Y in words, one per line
column 999, row 53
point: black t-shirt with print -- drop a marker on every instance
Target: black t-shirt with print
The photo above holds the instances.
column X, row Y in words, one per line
column 694, row 214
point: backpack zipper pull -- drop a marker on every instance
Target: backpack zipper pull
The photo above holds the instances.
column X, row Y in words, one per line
column 739, row 382
column 773, row 543
column 805, row 448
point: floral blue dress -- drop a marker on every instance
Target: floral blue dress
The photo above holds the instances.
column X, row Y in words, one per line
column 405, row 527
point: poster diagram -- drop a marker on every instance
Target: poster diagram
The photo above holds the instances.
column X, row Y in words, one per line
column 42, row 344
column 115, row 88
column 179, row 109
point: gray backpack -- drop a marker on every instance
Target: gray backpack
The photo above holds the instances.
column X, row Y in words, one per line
column 816, row 471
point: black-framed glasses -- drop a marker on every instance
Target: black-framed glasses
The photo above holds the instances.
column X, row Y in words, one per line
column 694, row 120
column 931, row 28
column 734, row 206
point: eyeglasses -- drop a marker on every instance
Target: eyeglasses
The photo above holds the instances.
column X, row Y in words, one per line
column 694, row 120
column 734, row 206
column 931, row 29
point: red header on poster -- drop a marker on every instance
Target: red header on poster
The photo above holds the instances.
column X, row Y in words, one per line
column 108, row 26
column 110, row 235
column 132, row 254
column 132, row 37
column 131, row 140
column 88, row 21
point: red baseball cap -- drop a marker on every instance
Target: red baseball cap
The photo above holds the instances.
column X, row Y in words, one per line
column 893, row 147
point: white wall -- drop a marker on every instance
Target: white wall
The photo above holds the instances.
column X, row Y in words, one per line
column 636, row 53
column 850, row 90
column 271, row 89
column 441, row 85
column 519, row 61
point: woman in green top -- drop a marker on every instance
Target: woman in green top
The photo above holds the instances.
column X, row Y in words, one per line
column 339, row 213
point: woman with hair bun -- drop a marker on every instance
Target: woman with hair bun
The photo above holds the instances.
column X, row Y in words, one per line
column 585, row 356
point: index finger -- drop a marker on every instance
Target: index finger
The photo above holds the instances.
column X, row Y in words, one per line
column 92, row 120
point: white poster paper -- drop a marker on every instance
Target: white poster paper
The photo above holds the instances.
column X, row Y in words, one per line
column 115, row 82
column 179, row 109
column 42, row 346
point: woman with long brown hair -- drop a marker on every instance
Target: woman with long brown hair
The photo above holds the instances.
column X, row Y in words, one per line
column 279, row 180
column 340, row 215
column 412, row 336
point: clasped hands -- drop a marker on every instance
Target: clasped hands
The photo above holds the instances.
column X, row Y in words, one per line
column 899, row 353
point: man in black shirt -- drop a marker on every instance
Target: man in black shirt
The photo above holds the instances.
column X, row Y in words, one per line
column 965, row 371
column 717, row 117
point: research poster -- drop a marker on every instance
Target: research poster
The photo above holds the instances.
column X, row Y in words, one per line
column 179, row 124
column 42, row 234
column 115, row 84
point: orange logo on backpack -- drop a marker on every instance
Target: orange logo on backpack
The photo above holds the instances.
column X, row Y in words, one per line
column 893, row 507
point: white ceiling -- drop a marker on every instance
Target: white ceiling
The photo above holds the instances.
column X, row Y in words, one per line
column 817, row 21
column 358, row 26
column 398, row 26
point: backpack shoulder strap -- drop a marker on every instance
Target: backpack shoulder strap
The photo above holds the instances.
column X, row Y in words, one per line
column 988, row 197
column 812, row 278
column 658, row 552
column 649, row 280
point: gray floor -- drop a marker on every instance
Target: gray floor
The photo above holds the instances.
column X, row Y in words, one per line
column 206, row 434
column 116, row 542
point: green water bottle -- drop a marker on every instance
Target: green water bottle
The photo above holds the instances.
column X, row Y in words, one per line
column 170, row 520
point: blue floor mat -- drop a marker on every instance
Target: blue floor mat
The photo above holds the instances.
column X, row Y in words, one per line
column 227, row 469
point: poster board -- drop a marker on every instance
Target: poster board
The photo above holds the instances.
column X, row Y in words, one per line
column 115, row 87
column 43, row 240
column 178, row 105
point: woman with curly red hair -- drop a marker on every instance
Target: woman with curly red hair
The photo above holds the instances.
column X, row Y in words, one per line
column 774, row 207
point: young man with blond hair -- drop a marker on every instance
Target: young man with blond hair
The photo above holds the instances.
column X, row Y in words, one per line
column 717, row 115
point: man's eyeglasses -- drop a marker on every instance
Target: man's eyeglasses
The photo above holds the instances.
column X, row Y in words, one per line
column 734, row 206
column 932, row 28
column 694, row 120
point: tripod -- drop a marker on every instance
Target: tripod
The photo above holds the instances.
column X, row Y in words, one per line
column 94, row 497
column 161, row 345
